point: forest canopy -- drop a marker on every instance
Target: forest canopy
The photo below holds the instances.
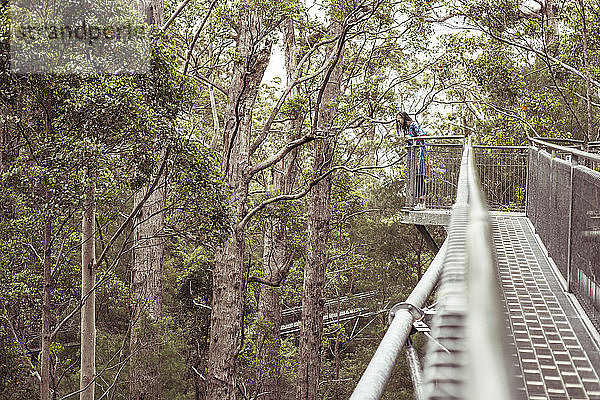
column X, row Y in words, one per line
column 192, row 214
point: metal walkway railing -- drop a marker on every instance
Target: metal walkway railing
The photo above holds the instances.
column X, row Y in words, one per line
column 468, row 325
column 437, row 161
column 502, row 171
column 551, row 346
column 564, row 206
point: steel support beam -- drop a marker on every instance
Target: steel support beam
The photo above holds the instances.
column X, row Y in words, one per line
column 428, row 238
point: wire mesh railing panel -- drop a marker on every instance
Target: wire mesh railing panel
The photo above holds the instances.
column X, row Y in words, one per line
column 542, row 186
column 592, row 164
column 594, row 147
column 558, row 213
column 563, row 203
column 503, row 176
column 532, row 178
column 432, row 174
column 585, row 241
column 444, row 168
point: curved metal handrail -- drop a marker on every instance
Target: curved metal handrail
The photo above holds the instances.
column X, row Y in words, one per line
column 469, row 321
column 488, row 361
column 372, row 383
column 472, row 361
column 554, row 139
column 569, row 150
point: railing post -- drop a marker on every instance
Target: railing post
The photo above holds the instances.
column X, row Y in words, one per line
column 574, row 163
column 551, row 180
column 527, row 177
column 410, row 176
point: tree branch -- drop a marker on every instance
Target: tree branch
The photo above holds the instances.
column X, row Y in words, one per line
column 281, row 154
column 175, row 14
column 34, row 370
column 295, row 82
column 539, row 53
column 197, row 36
column 281, row 275
column 295, row 196
column 136, row 210
column 210, row 83
column 113, row 240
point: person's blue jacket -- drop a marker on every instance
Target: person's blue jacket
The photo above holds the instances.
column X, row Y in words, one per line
column 420, row 152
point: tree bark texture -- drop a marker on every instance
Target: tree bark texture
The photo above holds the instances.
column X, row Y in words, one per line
column 46, row 316
column 586, row 63
column 151, row 11
column 269, row 308
column 275, row 247
column 147, row 267
column 88, row 295
column 229, row 278
column 551, row 21
column 146, row 286
column 319, row 216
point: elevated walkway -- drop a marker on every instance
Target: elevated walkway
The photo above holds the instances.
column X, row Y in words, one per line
column 517, row 314
column 553, row 353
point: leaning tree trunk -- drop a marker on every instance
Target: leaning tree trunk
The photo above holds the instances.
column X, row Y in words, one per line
column 229, row 279
column 319, row 215
column 276, row 260
column 88, row 294
column 147, row 267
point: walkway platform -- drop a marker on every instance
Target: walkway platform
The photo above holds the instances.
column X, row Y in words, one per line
column 554, row 354
column 426, row 217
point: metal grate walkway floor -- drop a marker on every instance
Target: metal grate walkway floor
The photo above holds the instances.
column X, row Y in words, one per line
column 553, row 353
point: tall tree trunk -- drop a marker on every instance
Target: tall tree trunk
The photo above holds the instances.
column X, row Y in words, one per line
column 88, row 294
column 586, row 64
column 550, row 21
column 46, row 292
column 147, row 267
column 151, row 11
column 269, row 308
column 146, row 286
column 229, row 279
column 319, row 216
column 275, row 246
column 46, row 316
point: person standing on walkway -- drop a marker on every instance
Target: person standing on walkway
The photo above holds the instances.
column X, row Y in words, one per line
column 417, row 155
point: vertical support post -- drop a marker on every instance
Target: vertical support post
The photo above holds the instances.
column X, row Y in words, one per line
column 416, row 372
column 527, row 177
column 428, row 238
column 410, row 176
column 552, row 157
column 574, row 163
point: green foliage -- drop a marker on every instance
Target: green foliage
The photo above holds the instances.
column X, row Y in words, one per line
column 495, row 15
column 61, row 133
column 198, row 193
column 494, row 70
